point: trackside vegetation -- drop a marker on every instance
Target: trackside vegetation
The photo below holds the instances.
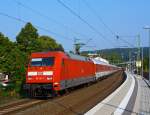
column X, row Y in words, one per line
column 14, row 56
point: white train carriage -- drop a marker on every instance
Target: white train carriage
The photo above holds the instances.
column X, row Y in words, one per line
column 103, row 67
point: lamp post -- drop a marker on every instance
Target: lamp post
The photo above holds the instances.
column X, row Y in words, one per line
column 142, row 62
column 148, row 28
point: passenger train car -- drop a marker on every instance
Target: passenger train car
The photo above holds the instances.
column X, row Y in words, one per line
column 50, row 72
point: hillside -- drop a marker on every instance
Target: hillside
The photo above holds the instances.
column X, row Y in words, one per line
column 121, row 54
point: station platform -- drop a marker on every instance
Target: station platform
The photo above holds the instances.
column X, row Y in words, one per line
column 131, row 98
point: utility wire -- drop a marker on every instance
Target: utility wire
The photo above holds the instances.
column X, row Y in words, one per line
column 84, row 21
column 121, row 38
column 99, row 18
column 128, row 36
column 106, row 26
column 47, row 17
column 23, row 21
column 74, row 13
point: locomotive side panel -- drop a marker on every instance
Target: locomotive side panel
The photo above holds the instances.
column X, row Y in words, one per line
column 75, row 72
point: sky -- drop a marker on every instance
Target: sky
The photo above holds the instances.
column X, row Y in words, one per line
column 96, row 24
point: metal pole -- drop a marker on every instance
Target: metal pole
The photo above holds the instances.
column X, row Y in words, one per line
column 142, row 61
column 137, row 57
column 138, row 54
column 148, row 28
column 130, row 60
column 149, row 54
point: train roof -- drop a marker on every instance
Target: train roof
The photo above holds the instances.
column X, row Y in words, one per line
column 78, row 57
column 95, row 61
column 64, row 54
column 47, row 54
column 99, row 60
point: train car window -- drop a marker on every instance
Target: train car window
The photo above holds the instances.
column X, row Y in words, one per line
column 49, row 61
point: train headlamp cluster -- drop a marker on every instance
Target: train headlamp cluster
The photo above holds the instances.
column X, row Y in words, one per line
column 32, row 73
column 49, row 73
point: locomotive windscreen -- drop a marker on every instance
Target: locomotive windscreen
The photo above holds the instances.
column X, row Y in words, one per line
column 48, row 61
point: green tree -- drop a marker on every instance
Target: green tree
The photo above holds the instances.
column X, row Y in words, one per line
column 46, row 43
column 10, row 55
column 113, row 57
column 26, row 39
column 13, row 55
column 5, row 48
column 29, row 41
column 12, row 61
column 145, row 63
column 60, row 48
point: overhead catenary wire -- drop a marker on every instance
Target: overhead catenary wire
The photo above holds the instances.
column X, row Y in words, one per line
column 98, row 17
column 19, row 11
column 42, row 28
column 106, row 26
column 125, row 41
column 49, row 18
column 84, row 21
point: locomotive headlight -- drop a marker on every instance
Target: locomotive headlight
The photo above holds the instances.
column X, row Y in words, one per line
column 48, row 73
column 49, row 78
column 32, row 73
column 29, row 78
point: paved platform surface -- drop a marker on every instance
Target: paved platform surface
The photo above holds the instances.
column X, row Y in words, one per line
column 131, row 98
column 142, row 104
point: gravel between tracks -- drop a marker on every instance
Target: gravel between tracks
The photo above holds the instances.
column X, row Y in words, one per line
column 79, row 101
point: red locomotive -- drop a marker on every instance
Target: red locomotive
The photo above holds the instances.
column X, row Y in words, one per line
column 50, row 72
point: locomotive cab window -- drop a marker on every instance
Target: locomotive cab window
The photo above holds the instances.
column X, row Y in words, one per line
column 48, row 61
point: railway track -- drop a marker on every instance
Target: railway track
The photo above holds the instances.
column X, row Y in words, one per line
column 77, row 102
column 7, row 109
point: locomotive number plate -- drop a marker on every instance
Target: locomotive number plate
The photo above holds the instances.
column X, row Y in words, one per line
column 40, row 73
